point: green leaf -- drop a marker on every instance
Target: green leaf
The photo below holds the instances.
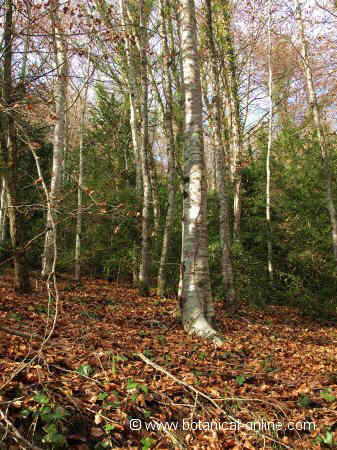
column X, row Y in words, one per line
column 59, row 413
column 109, row 427
column 147, row 443
column 25, row 413
column 134, row 397
column 102, row 396
column 328, row 396
column 240, row 379
column 54, row 438
column 304, row 401
column 51, row 428
column 40, row 397
column 132, row 385
column 85, row 370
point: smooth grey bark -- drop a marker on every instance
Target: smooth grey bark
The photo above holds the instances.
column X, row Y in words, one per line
column 234, row 105
column 144, row 271
column 3, row 211
column 132, row 67
column 197, row 302
column 60, row 53
column 224, row 220
column 269, row 148
column 134, row 21
column 179, row 121
column 170, row 138
column 313, row 102
column 80, row 179
column 135, row 99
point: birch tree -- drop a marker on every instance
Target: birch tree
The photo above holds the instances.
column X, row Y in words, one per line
column 196, row 302
column 323, row 145
column 60, row 54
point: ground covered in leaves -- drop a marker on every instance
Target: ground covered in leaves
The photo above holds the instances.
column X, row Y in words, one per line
column 273, row 384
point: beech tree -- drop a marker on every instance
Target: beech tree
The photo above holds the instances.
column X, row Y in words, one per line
column 197, row 303
column 221, row 175
column 60, row 54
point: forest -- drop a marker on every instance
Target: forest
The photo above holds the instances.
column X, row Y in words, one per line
column 168, row 224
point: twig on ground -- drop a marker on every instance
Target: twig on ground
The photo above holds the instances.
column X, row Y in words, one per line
column 205, row 396
column 19, row 333
column 17, row 436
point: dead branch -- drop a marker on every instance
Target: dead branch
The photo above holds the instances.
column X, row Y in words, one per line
column 16, row 435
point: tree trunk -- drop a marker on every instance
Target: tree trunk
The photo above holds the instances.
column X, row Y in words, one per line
column 10, row 157
column 58, row 144
column 144, row 272
column 179, row 118
column 234, row 105
column 270, row 137
column 134, row 95
column 80, row 180
column 312, row 96
column 171, row 182
column 3, row 211
column 224, row 220
column 197, row 303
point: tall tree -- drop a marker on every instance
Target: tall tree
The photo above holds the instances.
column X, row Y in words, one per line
column 135, row 16
column 60, row 54
column 231, row 85
column 196, row 302
column 80, row 176
column 9, row 144
column 270, row 137
column 170, row 138
column 3, row 211
column 221, row 175
column 322, row 141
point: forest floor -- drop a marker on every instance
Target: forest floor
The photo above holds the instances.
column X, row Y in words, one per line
column 93, row 381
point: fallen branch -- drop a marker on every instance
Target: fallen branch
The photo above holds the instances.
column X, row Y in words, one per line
column 18, row 333
column 17, row 436
column 205, row 396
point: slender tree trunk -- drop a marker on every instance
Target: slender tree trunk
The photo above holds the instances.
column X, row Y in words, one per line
column 224, row 221
column 134, row 94
column 144, row 272
column 270, row 137
column 59, row 139
column 80, row 180
column 10, row 156
column 179, row 118
column 234, row 105
column 154, row 193
column 137, row 70
column 3, row 211
column 171, row 182
column 197, row 303
column 312, row 96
